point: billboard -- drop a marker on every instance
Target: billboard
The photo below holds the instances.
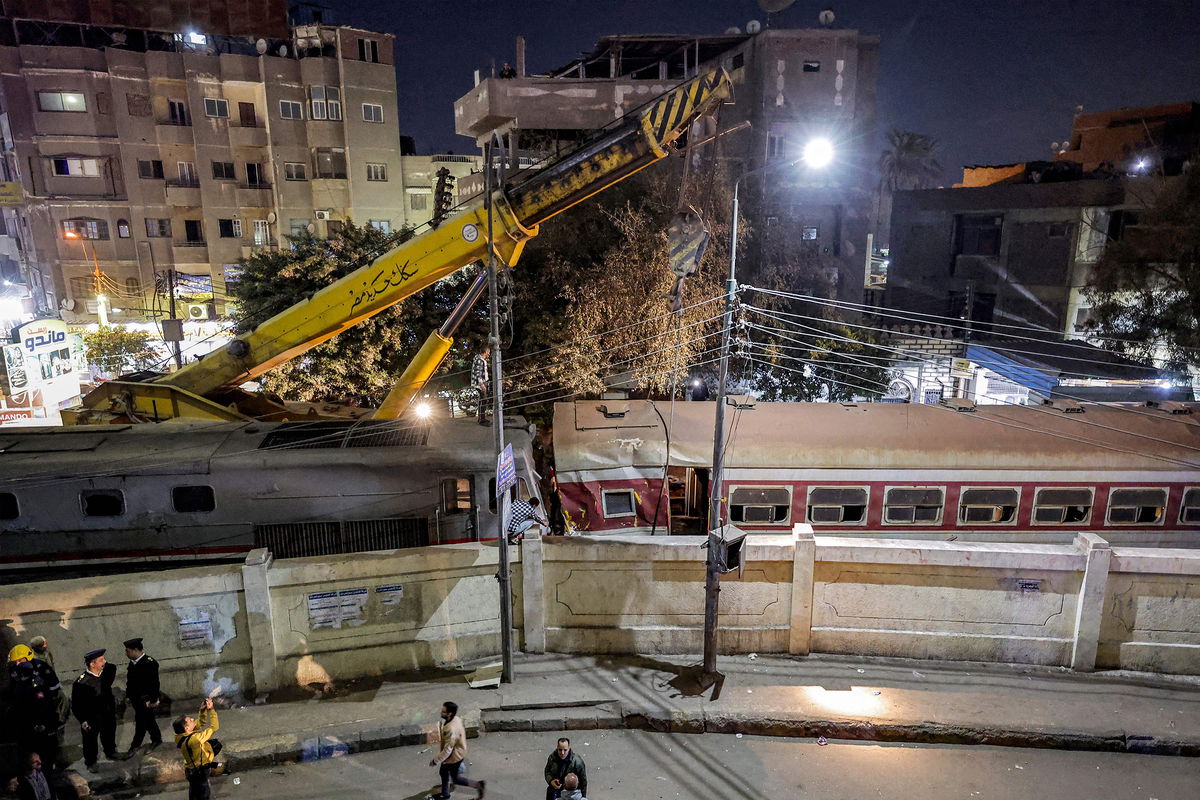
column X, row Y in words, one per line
column 42, row 360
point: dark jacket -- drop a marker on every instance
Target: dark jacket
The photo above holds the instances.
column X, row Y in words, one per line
column 92, row 697
column 34, row 691
column 558, row 768
column 25, row 789
column 142, row 682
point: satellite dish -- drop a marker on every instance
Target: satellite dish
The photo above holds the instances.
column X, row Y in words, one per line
column 826, row 17
column 283, row 51
column 271, row 218
column 311, row 228
column 733, row 30
column 261, row 46
column 774, row 6
column 68, row 304
column 753, row 26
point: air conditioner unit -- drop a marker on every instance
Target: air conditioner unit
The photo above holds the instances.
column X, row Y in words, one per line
column 201, row 311
column 324, row 213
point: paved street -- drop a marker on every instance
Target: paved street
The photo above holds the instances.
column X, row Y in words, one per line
column 647, row 766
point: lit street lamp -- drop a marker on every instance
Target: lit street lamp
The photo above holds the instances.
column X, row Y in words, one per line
column 818, row 153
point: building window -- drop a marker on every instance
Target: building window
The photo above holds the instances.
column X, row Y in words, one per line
column 150, row 169
column 77, row 167
column 158, row 228
column 177, row 113
column 330, row 162
column 295, row 171
column 290, row 109
column 229, row 228
column 776, row 144
column 187, row 173
column 837, row 505
column 247, row 115
column 298, row 227
column 1189, row 509
column 193, row 231
column 760, row 506
column 133, row 286
column 809, row 233
column 262, row 232
column 193, row 499
column 325, row 102
column 619, row 503
column 1062, row 506
column 62, row 101
column 978, row 235
column 988, row 506
column 372, row 112
column 1058, row 230
column 418, row 202
column 368, row 50
column 913, row 506
column 224, row 171
column 123, row 228
column 255, row 176
column 85, row 228
column 102, row 502
column 216, row 107
column 1137, row 506
column 738, row 61
column 377, row 172
column 812, row 66
column 384, row 225
column 8, row 506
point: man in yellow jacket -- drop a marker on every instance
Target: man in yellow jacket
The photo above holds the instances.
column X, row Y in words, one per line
column 199, row 749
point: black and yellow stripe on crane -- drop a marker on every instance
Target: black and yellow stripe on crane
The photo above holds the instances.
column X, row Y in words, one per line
column 667, row 116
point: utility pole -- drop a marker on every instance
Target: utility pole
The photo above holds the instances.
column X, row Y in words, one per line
column 171, row 292
column 101, row 300
column 505, row 575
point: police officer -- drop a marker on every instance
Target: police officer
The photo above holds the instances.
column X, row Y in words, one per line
column 93, row 704
column 34, row 689
column 142, row 691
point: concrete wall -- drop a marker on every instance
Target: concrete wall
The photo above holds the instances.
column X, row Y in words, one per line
column 245, row 629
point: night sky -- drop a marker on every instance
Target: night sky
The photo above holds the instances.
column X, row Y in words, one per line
column 993, row 82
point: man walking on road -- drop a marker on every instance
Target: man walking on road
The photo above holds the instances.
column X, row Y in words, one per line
column 452, row 759
column 142, row 689
column 562, row 762
column 93, row 704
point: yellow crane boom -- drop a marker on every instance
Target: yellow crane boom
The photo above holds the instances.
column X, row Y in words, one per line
column 207, row 389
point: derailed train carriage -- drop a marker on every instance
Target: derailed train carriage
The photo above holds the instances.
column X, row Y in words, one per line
column 114, row 496
column 997, row 473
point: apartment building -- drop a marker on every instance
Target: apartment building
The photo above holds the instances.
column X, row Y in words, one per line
column 419, row 180
column 139, row 152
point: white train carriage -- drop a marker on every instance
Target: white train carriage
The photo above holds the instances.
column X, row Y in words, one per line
column 1001, row 473
column 120, row 495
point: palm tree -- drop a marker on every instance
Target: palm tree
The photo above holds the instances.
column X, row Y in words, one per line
column 909, row 162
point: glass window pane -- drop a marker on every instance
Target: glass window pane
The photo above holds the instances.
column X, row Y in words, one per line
column 618, row 504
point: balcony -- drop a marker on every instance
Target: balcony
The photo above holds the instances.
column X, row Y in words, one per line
column 255, row 195
column 583, row 104
column 259, row 185
column 184, row 192
column 247, row 136
column 190, row 251
column 249, row 247
column 174, row 132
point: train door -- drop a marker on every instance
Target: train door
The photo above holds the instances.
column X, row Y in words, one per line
column 688, row 492
column 456, row 518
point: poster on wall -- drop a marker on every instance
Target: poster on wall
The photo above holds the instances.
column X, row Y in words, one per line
column 48, row 363
column 196, row 629
column 337, row 609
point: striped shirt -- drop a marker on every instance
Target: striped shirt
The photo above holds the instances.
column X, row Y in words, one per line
column 479, row 372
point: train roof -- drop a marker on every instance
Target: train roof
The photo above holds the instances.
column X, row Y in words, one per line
column 600, row 434
column 182, row 447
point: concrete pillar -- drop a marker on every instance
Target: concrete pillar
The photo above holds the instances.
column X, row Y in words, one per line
column 533, row 587
column 257, row 589
column 804, row 556
column 1089, row 611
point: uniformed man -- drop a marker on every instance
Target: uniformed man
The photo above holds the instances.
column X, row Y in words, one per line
column 142, row 691
column 34, row 689
column 93, row 704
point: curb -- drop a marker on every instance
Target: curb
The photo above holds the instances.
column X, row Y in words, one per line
column 609, row 715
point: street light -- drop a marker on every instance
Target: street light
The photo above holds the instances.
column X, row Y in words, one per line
column 817, row 153
column 101, row 308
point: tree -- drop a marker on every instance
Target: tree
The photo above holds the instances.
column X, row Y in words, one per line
column 117, row 351
column 909, row 162
column 362, row 363
column 1145, row 289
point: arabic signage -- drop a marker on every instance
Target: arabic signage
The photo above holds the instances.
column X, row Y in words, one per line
column 43, row 359
column 11, row 194
column 961, row 368
column 506, row 472
column 335, row 609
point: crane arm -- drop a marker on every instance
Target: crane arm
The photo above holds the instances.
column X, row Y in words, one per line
column 415, row 264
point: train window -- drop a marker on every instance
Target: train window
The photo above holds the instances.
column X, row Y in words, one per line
column 913, row 506
column 619, row 503
column 456, row 495
column 1137, row 506
column 102, row 502
column 1189, row 509
column 8, row 506
column 193, row 499
column 988, row 506
column 512, row 495
column 760, row 505
column 1062, row 506
column 833, row 506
